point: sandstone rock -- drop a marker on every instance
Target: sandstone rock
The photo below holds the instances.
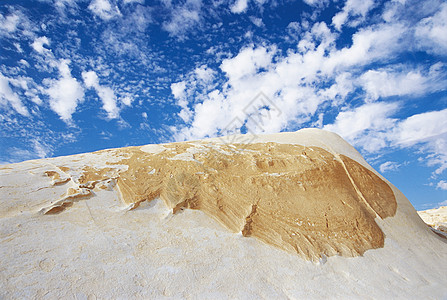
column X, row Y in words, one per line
column 290, row 215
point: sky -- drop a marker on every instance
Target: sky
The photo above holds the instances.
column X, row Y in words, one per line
column 83, row 75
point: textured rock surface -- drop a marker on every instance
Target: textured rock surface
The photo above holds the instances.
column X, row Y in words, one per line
column 436, row 218
column 210, row 219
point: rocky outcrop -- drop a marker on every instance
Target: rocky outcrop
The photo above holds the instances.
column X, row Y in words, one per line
column 300, row 199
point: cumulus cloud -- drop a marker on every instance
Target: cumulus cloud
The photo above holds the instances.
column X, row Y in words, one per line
column 65, row 93
column 104, row 9
column 185, row 92
column 249, row 61
column 319, row 76
column 38, row 44
column 105, row 93
column 204, row 74
column 361, row 124
column 294, row 82
column 316, row 74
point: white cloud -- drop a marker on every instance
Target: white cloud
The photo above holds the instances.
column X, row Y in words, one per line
column 90, row 79
column 368, row 45
column 205, row 74
column 372, row 128
column 9, row 23
column 239, row 6
column 65, row 93
column 316, row 3
column 184, row 18
column 207, row 114
column 39, row 43
column 24, row 63
column 104, row 9
column 63, row 5
column 319, row 76
column 431, row 32
column 247, row 62
column 421, row 127
column 367, row 125
column 352, row 8
column 178, row 89
column 257, row 21
column 127, row 100
column 442, row 185
column 400, row 82
column 133, row 1
column 16, row 25
column 8, row 96
column 372, row 118
column 428, row 130
column 105, row 93
column 41, row 150
column 291, row 82
column 389, row 166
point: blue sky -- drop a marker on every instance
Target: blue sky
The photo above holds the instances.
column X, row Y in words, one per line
column 82, row 75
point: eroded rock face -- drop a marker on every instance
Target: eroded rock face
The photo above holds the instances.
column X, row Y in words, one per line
column 300, row 199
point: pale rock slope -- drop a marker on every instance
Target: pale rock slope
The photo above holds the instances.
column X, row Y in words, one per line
column 297, row 215
column 436, row 218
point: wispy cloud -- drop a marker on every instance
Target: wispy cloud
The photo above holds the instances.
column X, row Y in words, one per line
column 443, row 186
column 104, row 9
column 353, row 13
column 9, row 97
column 105, row 93
column 401, row 81
column 431, row 32
column 389, row 166
column 183, row 17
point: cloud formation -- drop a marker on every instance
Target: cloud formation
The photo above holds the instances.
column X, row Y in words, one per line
column 183, row 17
column 105, row 93
column 389, row 166
column 104, row 9
column 320, row 76
column 354, row 9
column 8, row 96
column 65, row 93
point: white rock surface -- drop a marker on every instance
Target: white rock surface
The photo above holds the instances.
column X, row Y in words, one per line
column 436, row 218
column 98, row 249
